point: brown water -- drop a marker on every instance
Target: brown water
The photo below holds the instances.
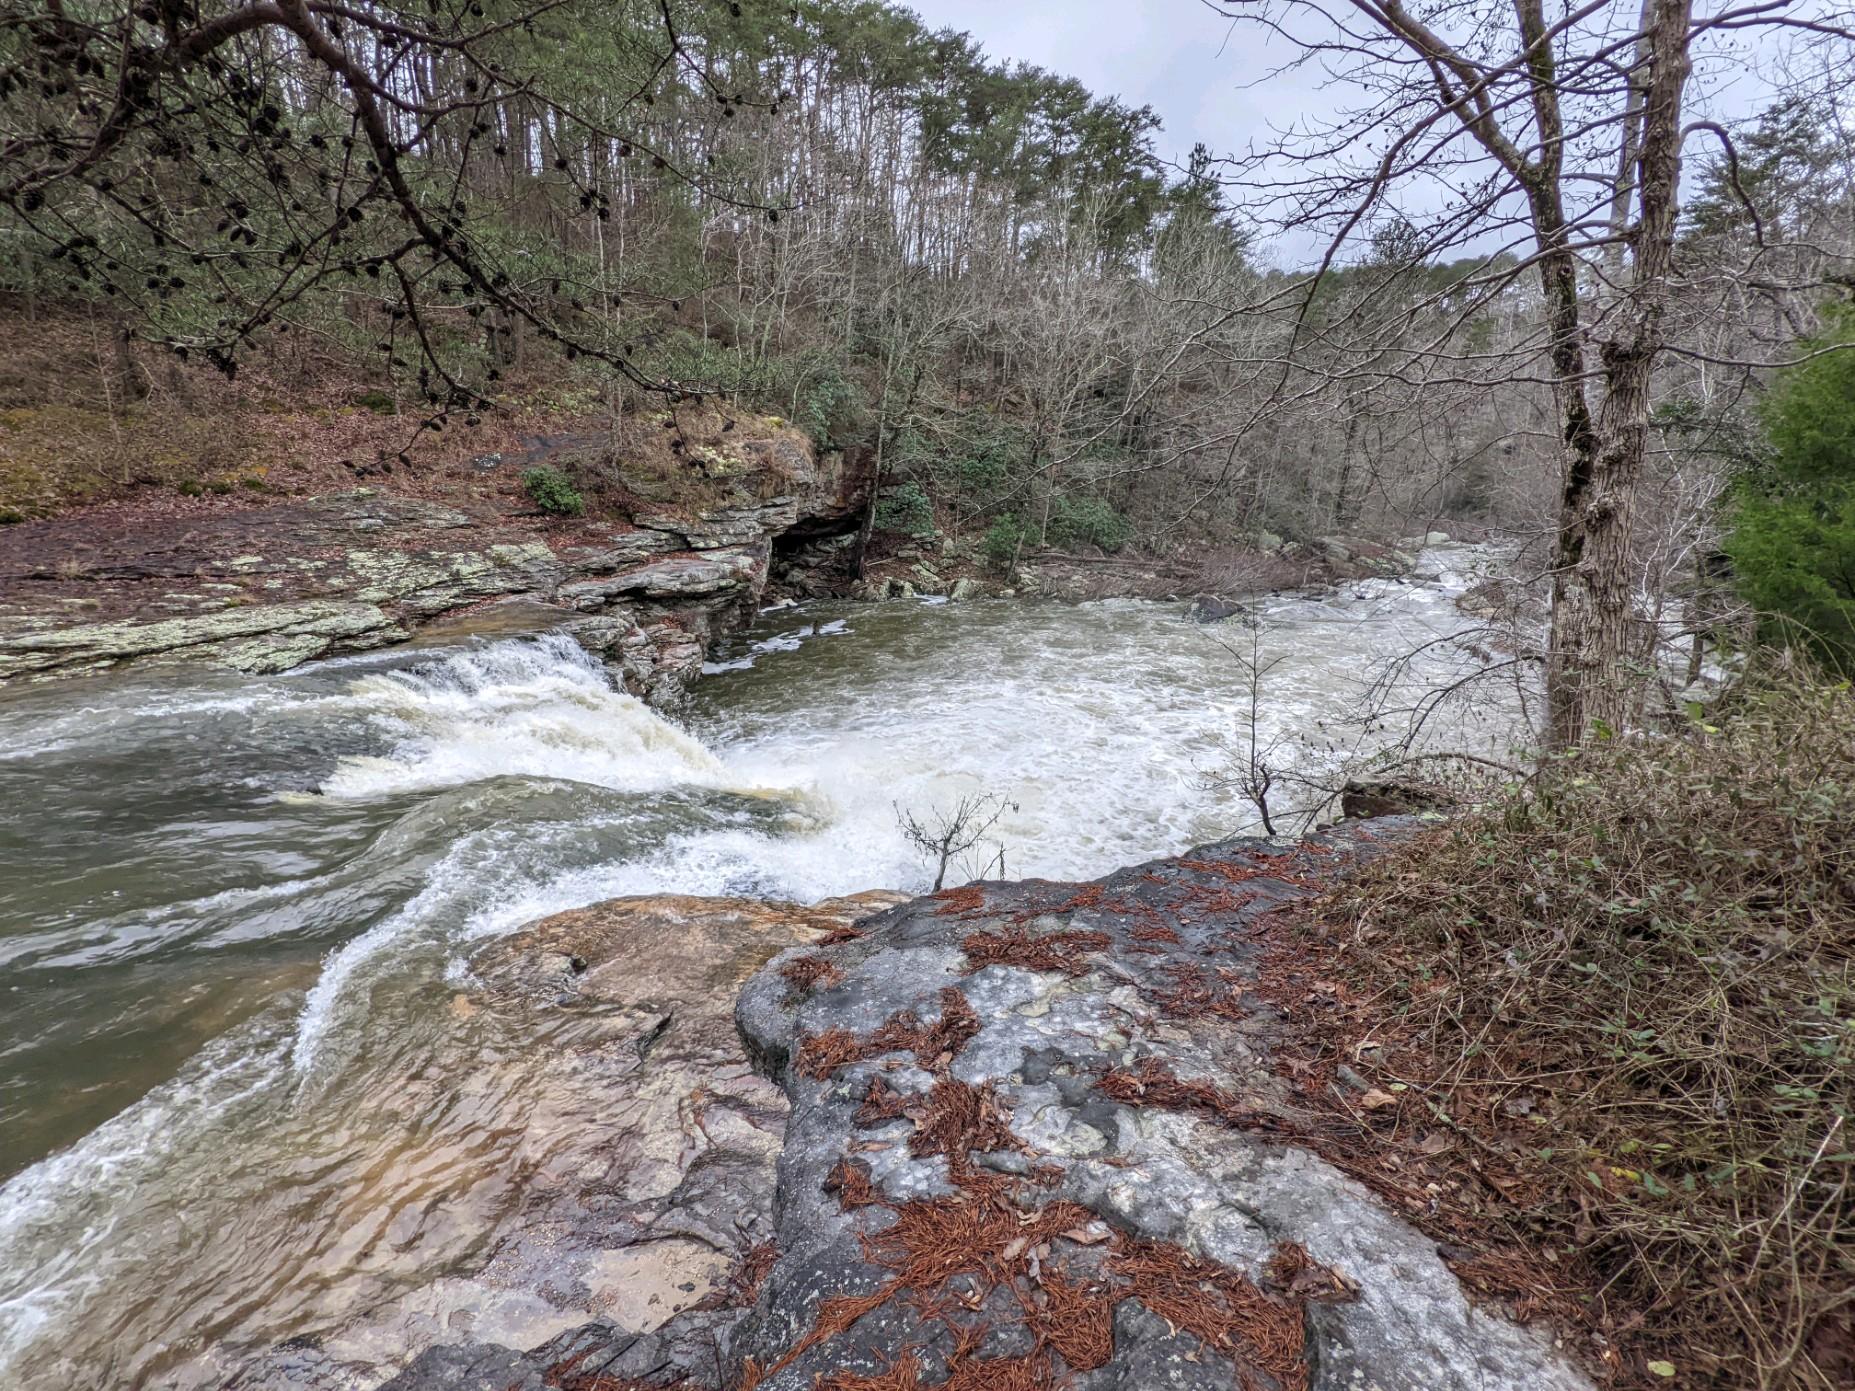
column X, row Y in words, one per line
column 234, row 912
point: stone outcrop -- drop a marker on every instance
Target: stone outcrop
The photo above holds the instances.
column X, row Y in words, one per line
column 264, row 588
column 1045, row 1135
column 645, row 1143
column 1363, row 798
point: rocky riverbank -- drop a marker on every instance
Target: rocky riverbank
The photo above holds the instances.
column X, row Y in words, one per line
column 1214, row 577
column 265, row 586
column 680, row 549
column 1011, row 1135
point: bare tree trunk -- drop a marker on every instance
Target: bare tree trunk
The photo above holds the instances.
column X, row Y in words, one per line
column 1587, row 685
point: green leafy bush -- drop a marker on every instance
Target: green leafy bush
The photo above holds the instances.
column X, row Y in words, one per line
column 553, row 492
column 967, row 453
column 1002, row 540
column 1793, row 539
column 682, row 356
column 906, row 509
column 831, row 407
column 1088, row 521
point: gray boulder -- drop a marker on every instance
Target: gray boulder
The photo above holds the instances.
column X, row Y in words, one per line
column 1074, row 1135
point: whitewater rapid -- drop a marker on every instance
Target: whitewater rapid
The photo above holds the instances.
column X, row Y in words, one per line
column 243, row 907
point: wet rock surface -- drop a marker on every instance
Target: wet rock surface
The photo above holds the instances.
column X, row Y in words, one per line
column 267, row 587
column 1043, row 1135
column 638, row 1157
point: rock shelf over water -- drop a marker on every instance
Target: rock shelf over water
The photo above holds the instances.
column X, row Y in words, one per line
column 1039, row 1134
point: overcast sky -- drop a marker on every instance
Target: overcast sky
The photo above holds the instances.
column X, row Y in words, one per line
column 1185, row 62
column 1210, row 83
column 1159, row 53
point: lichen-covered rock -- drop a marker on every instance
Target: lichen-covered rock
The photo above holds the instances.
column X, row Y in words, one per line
column 1085, row 1066
column 727, row 526
column 269, row 637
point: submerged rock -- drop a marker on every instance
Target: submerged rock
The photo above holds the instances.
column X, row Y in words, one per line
column 1209, row 608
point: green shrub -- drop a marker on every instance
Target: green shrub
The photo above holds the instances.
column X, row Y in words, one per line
column 1003, row 540
column 553, row 492
column 1088, row 521
column 683, row 356
column 906, row 509
column 1793, row 538
column 979, row 454
column 831, row 407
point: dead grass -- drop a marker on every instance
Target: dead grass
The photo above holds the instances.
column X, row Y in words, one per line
column 1220, row 1307
column 969, row 898
column 956, row 1118
column 1193, row 991
column 1624, row 1000
column 822, row 1054
column 809, row 973
column 1152, row 1083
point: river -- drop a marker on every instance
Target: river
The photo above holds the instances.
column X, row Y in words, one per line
column 233, row 910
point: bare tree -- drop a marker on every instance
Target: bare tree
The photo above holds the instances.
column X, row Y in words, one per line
column 944, row 836
column 1257, row 766
column 1543, row 146
column 256, row 153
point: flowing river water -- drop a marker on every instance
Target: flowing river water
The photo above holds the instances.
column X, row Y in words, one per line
column 235, row 911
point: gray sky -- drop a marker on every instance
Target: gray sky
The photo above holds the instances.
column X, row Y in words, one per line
column 1159, row 53
column 1208, row 82
column 1185, row 62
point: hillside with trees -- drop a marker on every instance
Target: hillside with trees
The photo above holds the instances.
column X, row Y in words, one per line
column 513, row 287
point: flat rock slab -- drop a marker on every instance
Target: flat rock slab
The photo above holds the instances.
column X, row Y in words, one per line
column 263, row 586
column 643, row 1143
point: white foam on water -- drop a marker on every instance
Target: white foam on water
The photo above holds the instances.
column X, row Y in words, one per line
column 1097, row 724
column 58, row 1217
column 492, row 880
column 779, row 642
column 539, row 707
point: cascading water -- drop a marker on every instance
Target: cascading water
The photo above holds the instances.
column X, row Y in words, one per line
column 235, row 912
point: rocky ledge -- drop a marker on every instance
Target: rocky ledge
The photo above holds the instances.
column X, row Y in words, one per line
column 628, row 1174
column 263, row 588
column 1031, row 1135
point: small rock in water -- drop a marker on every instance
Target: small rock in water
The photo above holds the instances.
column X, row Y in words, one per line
column 1211, row 609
